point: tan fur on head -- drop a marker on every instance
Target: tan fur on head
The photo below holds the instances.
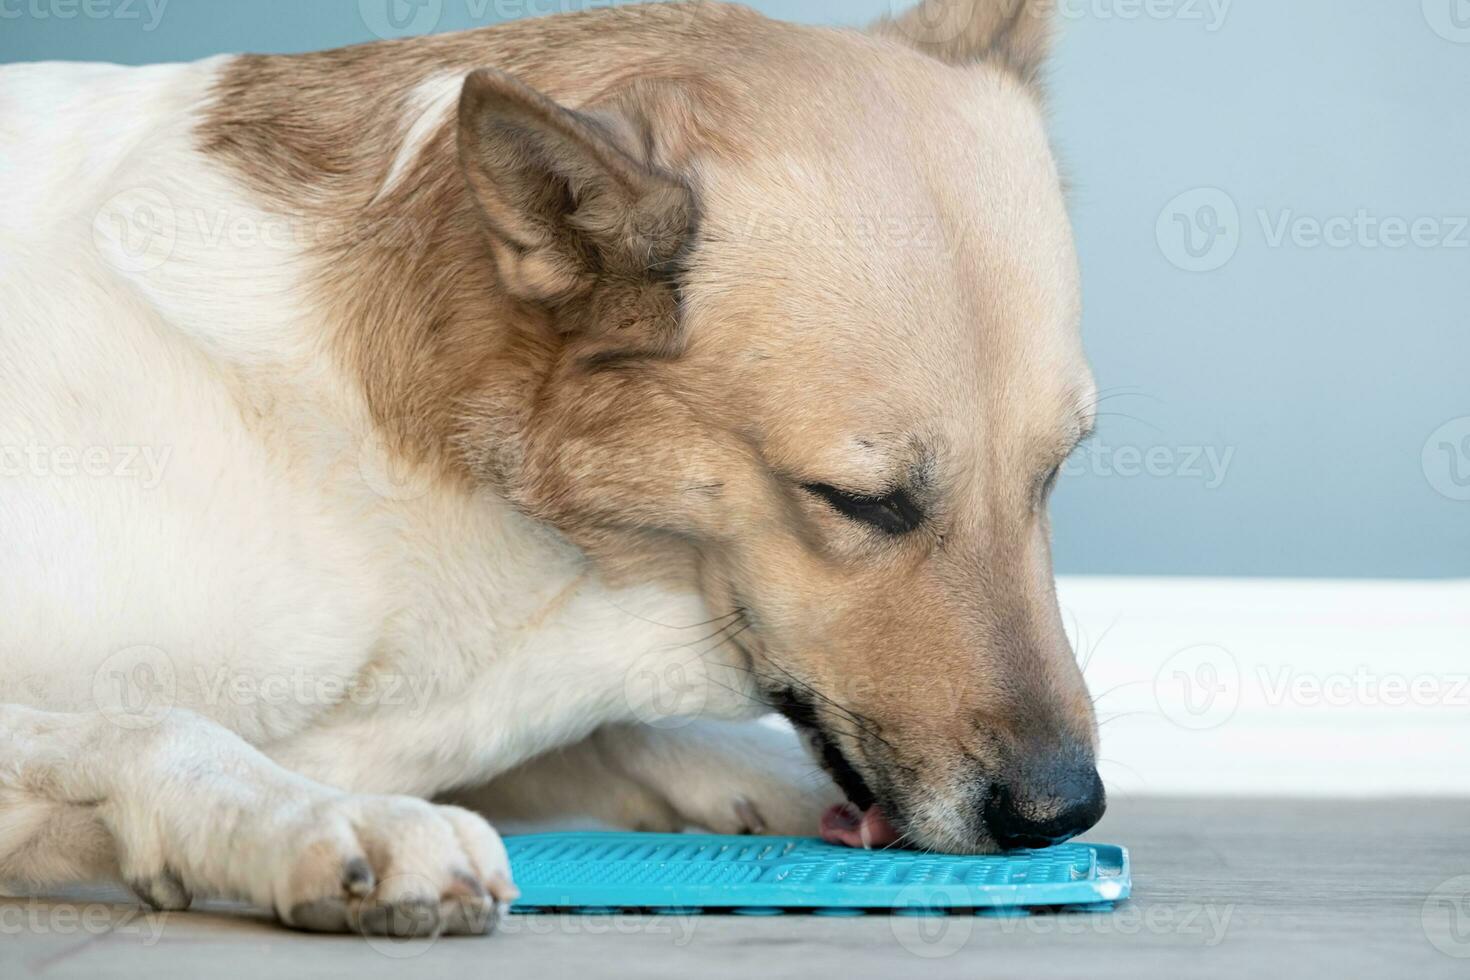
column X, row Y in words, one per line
column 878, row 298
column 1014, row 33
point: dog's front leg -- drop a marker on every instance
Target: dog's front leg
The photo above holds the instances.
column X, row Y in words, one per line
column 745, row 777
column 185, row 807
column 728, row 777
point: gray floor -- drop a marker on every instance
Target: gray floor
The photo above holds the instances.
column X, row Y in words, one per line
column 1221, row 889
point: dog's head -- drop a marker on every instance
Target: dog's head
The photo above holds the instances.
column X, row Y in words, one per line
column 813, row 316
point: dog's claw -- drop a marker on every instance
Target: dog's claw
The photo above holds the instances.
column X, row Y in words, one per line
column 410, row 919
column 357, row 877
column 163, row 892
column 326, row 915
column 751, row 820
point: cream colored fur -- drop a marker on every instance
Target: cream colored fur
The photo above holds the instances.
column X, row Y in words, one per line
column 243, row 638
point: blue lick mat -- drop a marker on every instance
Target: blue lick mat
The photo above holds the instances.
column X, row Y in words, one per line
column 595, row 872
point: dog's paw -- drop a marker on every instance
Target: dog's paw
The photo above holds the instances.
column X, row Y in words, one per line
column 728, row 777
column 760, row 806
column 393, row 866
column 737, row 815
column 163, row 891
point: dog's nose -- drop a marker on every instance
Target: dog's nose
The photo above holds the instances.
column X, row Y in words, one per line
column 1040, row 813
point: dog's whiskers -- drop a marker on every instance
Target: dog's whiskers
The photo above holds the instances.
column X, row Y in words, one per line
column 1092, row 652
column 669, row 626
column 716, row 635
column 867, row 725
column 1118, row 687
column 1123, row 714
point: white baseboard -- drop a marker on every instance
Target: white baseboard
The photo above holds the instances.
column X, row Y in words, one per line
column 1250, row 687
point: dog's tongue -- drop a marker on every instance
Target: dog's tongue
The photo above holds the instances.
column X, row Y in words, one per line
column 868, row 829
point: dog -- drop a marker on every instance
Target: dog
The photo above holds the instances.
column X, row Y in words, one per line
column 500, row 423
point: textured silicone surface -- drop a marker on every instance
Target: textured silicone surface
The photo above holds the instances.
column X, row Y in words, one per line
column 589, row 871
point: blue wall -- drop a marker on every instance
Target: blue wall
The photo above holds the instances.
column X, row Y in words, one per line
column 1291, row 381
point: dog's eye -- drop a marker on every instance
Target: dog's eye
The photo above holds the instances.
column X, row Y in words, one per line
column 893, row 513
column 1050, row 483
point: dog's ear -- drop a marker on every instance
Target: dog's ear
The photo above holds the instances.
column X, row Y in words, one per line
column 1015, row 33
column 566, row 199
